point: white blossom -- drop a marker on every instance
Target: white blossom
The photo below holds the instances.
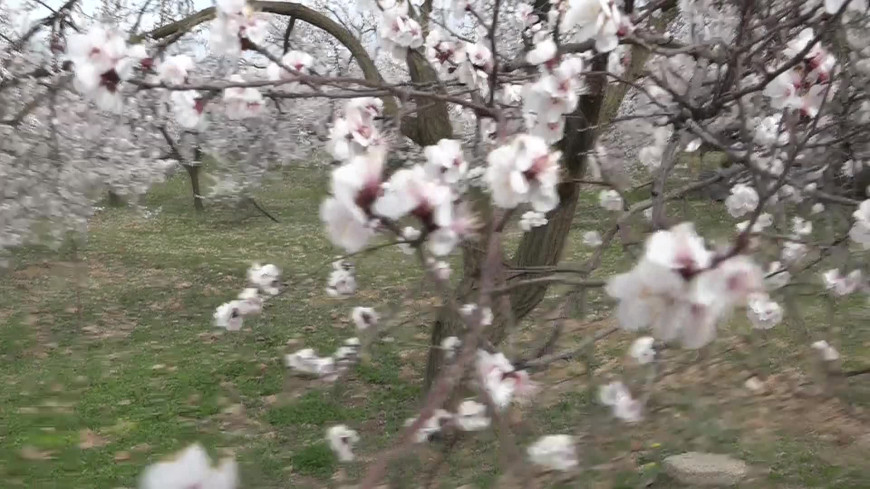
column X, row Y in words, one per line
column 399, row 32
column 555, row 452
column 413, row 191
column 364, row 318
column 242, row 102
column 500, row 379
column 676, row 292
column 298, row 61
column 592, row 239
column 618, row 398
column 432, row 426
column 543, row 51
column 446, row 161
column 229, row 315
column 102, row 60
column 174, row 69
column 792, row 251
column 341, row 440
column 251, row 302
column 743, row 200
column 532, row 219
column 801, row 226
column 265, row 277
column 236, row 21
column 860, row 231
column 191, row 468
column 599, row 20
column 610, row 200
column 188, row 108
column 355, row 187
column 827, row 352
column 763, row 312
column 306, row 361
column 770, row 131
column 471, row 416
column 342, row 279
column 440, row 268
column 642, row 350
column 450, row 345
column 409, row 235
column 468, row 310
column 524, row 171
column 840, row 285
column 764, row 221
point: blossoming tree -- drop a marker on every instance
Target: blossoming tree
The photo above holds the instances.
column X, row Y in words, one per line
column 779, row 88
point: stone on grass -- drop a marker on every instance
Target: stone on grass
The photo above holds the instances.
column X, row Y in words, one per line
column 705, row 469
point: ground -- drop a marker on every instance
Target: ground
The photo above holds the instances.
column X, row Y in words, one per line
column 109, row 362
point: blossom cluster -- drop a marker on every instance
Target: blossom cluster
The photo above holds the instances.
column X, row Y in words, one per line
column 681, row 290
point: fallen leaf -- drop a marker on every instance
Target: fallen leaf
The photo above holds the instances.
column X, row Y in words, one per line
column 122, row 456
column 88, row 439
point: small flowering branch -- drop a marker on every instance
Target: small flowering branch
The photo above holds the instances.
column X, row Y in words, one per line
column 450, row 375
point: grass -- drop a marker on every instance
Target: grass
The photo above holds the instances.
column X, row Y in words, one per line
column 109, row 362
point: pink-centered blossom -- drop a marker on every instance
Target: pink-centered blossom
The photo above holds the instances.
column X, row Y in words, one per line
column 242, row 102
column 524, row 171
column 500, row 379
column 348, row 214
column 298, row 61
column 413, row 191
column 235, row 27
column 445, row 161
column 102, row 60
column 444, row 54
column 399, row 32
column 598, row 20
column 174, row 69
column 355, row 134
column 188, row 107
column 679, row 292
column 463, row 226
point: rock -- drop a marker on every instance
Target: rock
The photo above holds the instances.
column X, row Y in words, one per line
column 705, row 469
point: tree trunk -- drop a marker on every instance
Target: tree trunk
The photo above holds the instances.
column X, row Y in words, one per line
column 193, row 173
column 432, row 121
